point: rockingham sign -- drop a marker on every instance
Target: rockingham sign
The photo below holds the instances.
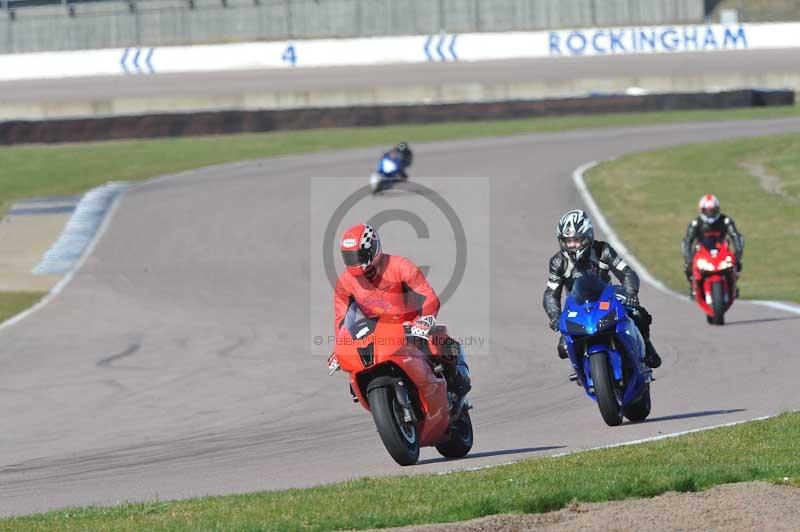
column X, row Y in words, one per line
column 442, row 48
column 647, row 40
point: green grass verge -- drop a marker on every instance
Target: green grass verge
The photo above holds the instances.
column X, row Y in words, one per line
column 762, row 450
column 12, row 303
column 662, row 187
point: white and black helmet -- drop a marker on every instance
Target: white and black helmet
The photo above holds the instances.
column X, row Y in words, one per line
column 575, row 234
column 709, row 208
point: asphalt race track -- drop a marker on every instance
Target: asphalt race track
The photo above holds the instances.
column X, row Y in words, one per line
column 359, row 78
column 176, row 363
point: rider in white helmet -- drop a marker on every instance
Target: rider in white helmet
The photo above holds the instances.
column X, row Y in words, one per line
column 710, row 223
column 581, row 253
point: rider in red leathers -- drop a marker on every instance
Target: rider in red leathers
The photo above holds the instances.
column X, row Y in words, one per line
column 378, row 284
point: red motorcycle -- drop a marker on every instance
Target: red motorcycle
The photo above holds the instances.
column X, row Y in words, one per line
column 714, row 279
column 397, row 377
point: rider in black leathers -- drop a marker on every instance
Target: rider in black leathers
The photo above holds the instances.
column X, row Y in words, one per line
column 394, row 162
column 710, row 223
column 581, row 253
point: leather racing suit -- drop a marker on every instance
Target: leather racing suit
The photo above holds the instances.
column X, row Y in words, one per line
column 602, row 260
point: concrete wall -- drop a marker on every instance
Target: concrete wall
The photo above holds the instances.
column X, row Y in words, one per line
column 119, row 24
column 406, row 95
column 226, row 122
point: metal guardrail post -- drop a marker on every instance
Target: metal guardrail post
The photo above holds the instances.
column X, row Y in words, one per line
column 137, row 21
column 289, row 19
column 359, row 30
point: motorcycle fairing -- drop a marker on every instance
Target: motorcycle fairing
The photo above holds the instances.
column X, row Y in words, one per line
column 395, row 355
column 601, row 327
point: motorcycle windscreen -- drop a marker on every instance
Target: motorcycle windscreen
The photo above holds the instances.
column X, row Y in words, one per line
column 362, row 328
column 712, row 240
column 588, row 288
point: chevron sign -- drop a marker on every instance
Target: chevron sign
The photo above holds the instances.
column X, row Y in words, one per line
column 137, row 61
column 440, row 48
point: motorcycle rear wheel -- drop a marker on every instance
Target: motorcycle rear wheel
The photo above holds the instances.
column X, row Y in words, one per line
column 461, row 438
column 400, row 438
column 605, row 390
column 640, row 409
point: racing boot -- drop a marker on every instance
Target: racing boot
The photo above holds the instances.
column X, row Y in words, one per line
column 643, row 319
column 458, row 380
column 562, row 349
column 651, row 357
column 563, row 354
column 456, row 372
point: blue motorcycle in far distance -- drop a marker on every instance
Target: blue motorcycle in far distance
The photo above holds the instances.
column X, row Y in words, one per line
column 606, row 349
column 391, row 168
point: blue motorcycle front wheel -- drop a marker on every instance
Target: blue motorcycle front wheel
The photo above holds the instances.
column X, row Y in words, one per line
column 606, row 390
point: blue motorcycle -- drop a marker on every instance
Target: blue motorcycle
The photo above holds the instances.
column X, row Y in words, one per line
column 606, row 349
column 386, row 175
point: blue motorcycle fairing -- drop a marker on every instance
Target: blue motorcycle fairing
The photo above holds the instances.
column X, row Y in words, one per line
column 389, row 167
column 628, row 333
column 596, row 322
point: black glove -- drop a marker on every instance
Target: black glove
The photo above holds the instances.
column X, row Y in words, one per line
column 632, row 301
column 739, row 265
column 554, row 324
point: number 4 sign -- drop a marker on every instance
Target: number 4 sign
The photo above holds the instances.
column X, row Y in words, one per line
column 290, row 55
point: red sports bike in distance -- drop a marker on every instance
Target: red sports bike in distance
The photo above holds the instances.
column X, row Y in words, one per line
column 714, row 275
column 393, row 376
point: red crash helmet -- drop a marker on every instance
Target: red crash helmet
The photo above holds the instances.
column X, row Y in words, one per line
column 361, row 247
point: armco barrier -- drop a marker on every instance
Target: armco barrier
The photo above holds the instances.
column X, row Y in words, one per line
column 226, row 122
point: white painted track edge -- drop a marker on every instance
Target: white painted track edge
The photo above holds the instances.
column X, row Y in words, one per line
column 59, row 287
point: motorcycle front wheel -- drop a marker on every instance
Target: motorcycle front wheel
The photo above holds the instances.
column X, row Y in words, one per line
column 375, row 183
column 718, row 304
column 400, row 438
column 606, row 390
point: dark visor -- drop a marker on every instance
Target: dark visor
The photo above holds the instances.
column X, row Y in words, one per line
column 356, row 257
